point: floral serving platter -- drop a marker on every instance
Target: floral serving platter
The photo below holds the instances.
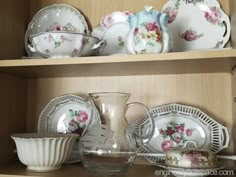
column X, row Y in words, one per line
column 68, row 114
column 175, row 124
column 56, row 17
column 113, row 29
column 197, row 24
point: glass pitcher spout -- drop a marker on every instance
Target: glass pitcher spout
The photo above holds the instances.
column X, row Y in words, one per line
column 110, row 106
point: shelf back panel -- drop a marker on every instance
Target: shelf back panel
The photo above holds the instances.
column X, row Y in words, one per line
column 14, row 19
column 12, row 114
column 94, row 10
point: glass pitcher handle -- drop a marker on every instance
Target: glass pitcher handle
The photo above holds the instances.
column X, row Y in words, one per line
column 139, row 139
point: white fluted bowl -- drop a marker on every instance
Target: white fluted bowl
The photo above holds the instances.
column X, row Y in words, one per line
column 43, row 152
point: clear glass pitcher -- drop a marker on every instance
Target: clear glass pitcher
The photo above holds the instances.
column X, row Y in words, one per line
column 108, row 147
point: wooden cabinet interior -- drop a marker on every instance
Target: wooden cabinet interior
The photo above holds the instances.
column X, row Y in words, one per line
column 203, row 80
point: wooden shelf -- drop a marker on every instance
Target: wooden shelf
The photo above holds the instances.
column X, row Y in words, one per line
column 18, row 170
column 166, row 63
column 70, row 170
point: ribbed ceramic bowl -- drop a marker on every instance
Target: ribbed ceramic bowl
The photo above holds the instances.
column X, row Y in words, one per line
column 43, row 152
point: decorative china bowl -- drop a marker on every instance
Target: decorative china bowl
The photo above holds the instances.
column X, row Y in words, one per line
column 64, row 44
column 43, row 152
column 56, row 17
column 57, row 44
column 186, row 157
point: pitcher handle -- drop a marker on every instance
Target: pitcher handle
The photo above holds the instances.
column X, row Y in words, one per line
column 139, row 139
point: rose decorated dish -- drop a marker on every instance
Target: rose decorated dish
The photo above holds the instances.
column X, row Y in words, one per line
column 68, row 114
column 57, row 44
column 197, row 25
column 56, row 17
column 113, row 29
column 191, row 157
column 175, row 124
column 60, row 44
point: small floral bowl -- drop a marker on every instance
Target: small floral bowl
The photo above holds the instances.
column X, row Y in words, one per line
column 57, row 44
column 186, row 157
column 43, row 152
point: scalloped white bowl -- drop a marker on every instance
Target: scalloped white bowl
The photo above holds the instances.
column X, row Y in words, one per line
column 43, row 152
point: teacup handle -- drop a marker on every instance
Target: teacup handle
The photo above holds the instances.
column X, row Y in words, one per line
column 32, row 49
column 139, row 139
column 190, row 142
column 100, row 44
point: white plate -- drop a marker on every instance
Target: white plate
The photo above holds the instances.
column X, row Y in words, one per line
column 113, row 28
column 197, row 24
column 176, row 124
column 67, row 114
column 115, row 37
column 56, row 17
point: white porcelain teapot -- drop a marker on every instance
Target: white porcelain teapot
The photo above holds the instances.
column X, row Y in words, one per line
column 148, row 32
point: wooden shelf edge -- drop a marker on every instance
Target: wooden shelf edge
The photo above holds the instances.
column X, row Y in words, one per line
column 137, row 170
column 18, row 170
column 174, row 56
column 213, row 61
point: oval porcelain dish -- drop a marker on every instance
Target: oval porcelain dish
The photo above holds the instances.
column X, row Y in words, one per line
column 176, row 124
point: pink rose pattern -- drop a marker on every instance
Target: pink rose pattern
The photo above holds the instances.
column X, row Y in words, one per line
column 109, row 19
column 167, row 145
column 194, row 157
column 172, row 13
column 197, row 158
column 78, row 121
column 149, row 32
column 213, row 16
column 176, row 135
column 190, row 35
column 189, row 132
column 57, row 27
column 57, row 43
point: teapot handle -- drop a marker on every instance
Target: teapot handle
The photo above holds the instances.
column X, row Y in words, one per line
column 166, row 41
column 139, row 139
